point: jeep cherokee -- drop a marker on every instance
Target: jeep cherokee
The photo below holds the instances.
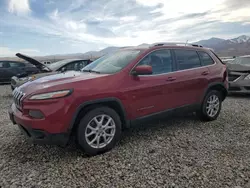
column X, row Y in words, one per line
column 118, row 90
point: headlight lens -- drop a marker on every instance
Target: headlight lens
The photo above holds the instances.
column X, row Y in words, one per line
column 247, row 77
column 51, row 95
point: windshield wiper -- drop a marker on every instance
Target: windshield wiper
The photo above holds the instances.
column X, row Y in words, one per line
column 89, row 70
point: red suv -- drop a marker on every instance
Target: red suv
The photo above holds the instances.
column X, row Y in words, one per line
column 119, row 90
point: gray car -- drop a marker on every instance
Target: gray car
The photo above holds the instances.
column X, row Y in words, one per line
column 239, row 75
column 46, row 70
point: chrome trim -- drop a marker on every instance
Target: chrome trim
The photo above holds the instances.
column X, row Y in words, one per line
column 18, row 97
column 238, row 78
column 172, row 57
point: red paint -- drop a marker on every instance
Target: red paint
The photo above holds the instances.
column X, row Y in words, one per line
column 139, row 95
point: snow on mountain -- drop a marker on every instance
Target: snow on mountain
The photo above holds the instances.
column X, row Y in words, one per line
column 240, row 39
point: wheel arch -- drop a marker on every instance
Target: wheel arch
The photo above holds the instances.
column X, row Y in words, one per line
column 219, row 87
column 113, row 103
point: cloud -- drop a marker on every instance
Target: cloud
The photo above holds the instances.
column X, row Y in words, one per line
column 125, row 22
column 8, row 52
column 19, row 6
column 236, row 4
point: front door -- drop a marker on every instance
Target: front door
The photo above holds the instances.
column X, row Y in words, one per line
column 148, row 92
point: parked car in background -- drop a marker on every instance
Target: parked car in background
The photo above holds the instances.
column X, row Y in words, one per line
column 239, row 74
column 118, row 90
column 45, row 70
column 9, row 69
column 227, row 60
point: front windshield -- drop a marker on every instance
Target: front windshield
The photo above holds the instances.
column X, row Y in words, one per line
column 242, row 61
column 56, row 65
column 113, row 63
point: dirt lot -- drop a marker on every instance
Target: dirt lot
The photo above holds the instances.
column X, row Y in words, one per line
column 176, row 152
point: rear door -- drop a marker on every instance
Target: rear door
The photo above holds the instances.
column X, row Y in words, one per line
column 191, row 77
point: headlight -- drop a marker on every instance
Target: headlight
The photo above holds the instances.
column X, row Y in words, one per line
column 51, row 95
column 247, row 77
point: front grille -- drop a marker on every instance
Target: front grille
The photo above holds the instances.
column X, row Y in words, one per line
column 232, row 77
column 18, row 97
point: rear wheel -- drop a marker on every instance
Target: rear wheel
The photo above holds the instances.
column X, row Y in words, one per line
column 99, row 130
column 211, row 106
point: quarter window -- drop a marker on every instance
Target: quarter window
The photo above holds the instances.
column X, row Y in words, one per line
column 187, row 59
column 206, row 59
column 161, row 61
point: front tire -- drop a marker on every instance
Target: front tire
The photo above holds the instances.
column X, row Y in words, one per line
column 211, row 106
column 99, row 131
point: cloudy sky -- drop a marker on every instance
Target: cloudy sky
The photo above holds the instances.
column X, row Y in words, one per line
column 41, row 27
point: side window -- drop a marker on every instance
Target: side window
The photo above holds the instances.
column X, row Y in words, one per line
column 15, row 64
column 206, row 59
column 161, row 61
column 4, row 64
column 80, row 64
column 70, row 66
column 187, row 59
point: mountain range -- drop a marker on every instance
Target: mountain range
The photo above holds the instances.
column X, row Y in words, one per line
column 223, row 47
column 230, row 47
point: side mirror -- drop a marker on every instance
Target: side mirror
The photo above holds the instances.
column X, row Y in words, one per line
column 142, row 70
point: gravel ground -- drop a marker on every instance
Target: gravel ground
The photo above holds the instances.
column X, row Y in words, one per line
column 177, row 152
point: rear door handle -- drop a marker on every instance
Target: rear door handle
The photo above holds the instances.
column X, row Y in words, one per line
column 170, row 79
column 205, row 73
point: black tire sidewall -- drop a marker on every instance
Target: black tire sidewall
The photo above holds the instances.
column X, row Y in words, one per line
column 204, row 104
column 84, row 122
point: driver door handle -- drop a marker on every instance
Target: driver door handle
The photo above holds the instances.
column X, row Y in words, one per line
column 205, row 73
column 170, row 79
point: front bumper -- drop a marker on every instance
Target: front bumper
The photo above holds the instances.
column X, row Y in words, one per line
column 36, row 135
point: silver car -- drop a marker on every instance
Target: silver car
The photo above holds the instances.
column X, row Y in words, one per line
column 239, row 75
column 46, row 70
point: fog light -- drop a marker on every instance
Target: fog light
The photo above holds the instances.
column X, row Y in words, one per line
column 37, row 114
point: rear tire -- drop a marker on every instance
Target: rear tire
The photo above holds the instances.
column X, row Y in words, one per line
column 211, row 106
column 99, row 131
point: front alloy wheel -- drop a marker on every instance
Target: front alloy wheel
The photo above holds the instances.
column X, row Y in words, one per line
column 99, row 130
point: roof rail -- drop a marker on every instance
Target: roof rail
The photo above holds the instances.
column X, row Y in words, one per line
column 175, row 44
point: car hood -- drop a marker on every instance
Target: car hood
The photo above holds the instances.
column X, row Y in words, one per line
column 38, row 64
column 238, row 67
column 57, row 81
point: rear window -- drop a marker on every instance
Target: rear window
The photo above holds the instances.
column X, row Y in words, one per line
column 187, row 59
column 206, row 59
